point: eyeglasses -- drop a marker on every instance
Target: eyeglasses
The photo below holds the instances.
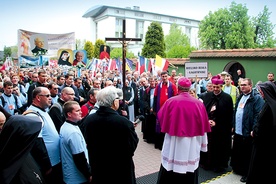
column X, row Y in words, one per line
column 55, row 88
column 45, row 95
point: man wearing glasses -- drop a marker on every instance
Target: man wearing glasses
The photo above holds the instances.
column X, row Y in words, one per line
column 56, row 110
column 53, row 88
column 69, row 80
column 46, row 151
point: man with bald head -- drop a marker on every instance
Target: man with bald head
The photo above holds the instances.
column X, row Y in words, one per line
column 56, row 112
column 46, row 151
column 2, row 120
column 39, row 44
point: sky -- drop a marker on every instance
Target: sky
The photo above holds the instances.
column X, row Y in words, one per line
column 64, row 16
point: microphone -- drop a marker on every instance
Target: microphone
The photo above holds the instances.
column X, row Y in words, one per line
column 139, row 119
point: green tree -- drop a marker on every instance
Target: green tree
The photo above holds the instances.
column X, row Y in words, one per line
column 88, row 46
column 14, row 50
column 117, row 52
column 7, row 52
column 263, row 30
column 97, row 46
column 154, row 42
column 180, row 51
column 227, row 29
column 176, row 37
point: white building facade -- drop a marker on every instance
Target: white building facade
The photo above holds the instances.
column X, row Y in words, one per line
column 106, row 21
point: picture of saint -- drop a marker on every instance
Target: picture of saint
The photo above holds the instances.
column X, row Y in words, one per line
column 25, row 44
column 80, row 58
column 64, row 58
column 39, row 47
column 105, row 52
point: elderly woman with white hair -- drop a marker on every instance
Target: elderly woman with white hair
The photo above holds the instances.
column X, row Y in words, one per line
column 111, row 141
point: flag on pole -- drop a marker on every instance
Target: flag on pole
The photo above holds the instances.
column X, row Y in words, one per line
column 112, row 64
column 140, row 66
column 93, row 66
column 152, row 62
column 147, row 65
column 129, row 64
column 161, row 64
column 119, row 64
column 7, row 64
column 166, row 66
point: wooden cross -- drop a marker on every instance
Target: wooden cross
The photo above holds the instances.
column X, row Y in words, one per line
column 124, row 42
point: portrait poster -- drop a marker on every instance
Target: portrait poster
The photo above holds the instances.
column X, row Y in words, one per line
column 80, row 58
column 65, row 57
column 104, row 52
column 29, row 43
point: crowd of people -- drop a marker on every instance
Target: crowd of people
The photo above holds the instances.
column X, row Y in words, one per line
column 213, row 123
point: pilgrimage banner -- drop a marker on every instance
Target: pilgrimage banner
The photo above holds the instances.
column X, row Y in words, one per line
column 36, row 44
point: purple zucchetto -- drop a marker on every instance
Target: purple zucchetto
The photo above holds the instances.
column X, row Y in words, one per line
column 217, row 80
column 184, row 82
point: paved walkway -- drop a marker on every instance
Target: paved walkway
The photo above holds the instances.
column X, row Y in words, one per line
column 147, row 161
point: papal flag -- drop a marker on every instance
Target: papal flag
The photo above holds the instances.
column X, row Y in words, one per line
column 161, row 64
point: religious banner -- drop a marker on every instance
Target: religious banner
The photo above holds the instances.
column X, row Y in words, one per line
column 65, row 57
column 104, row 52
column 80, row 58
column 30, row 61
column 36, row 44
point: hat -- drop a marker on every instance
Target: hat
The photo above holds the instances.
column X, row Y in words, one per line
column 184, row 82
column 217, row 80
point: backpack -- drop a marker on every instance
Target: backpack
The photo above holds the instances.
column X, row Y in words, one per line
column 32, row 112
column 4, row 102
column 35, row 113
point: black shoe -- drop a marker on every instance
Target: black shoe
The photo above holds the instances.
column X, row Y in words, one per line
column 243, row 179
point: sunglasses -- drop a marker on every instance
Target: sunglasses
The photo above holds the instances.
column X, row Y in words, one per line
column 45, row 95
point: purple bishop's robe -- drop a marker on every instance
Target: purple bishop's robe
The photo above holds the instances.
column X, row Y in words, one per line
column 183, row 116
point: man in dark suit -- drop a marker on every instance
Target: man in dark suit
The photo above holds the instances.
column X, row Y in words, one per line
column 39, row 44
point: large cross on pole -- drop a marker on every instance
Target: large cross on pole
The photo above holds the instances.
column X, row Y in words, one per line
column 124, row 42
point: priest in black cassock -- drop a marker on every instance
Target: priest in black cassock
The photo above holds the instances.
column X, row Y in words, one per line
column 111, row 141
column 219, row 106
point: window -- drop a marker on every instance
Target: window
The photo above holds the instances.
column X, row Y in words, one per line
column 119, row 28
column 139, row 29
